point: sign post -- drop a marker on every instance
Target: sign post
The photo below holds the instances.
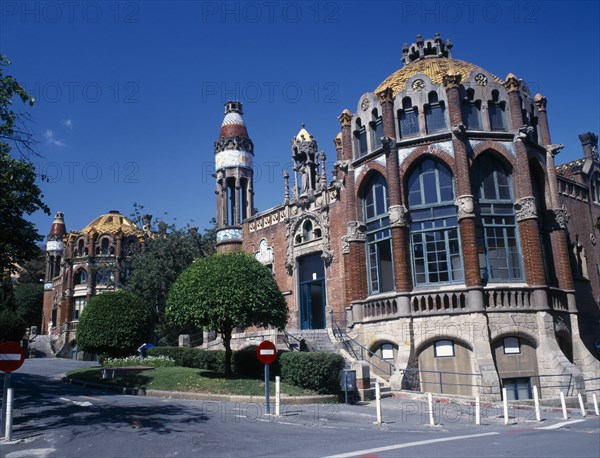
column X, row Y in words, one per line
column 267, row 354
column 11, row 358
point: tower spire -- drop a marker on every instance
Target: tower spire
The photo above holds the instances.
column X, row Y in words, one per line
column 234, row 155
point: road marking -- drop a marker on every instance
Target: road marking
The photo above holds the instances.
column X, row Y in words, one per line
column 406, row 445
column 560, row 425
column 31, row 452
column 78, row 403
column 89, row 397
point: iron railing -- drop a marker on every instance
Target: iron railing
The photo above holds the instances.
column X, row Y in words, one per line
column 413, row 379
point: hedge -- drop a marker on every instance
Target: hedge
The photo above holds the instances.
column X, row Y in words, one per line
column 210, row 360
column 315, row 371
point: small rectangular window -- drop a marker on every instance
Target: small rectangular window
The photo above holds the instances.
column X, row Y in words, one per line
column 512, row 346
column 387, row 351
column 444, row 349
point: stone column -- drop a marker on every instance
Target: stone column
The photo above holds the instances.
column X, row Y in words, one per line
column 464, row 199
column 526, row 212
column 353, row 243
column 397, row 211
column 543, row 128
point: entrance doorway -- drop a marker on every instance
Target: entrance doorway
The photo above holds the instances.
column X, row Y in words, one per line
column 312, row 292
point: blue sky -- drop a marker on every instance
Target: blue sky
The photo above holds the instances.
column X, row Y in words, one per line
column 130, row 94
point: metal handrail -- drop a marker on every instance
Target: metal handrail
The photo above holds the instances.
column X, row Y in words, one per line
column 440, row 382
column 348, row 343
column 287, row 335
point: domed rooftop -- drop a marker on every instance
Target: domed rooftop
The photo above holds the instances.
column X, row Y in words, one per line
column 429, row 57
column 112, row 222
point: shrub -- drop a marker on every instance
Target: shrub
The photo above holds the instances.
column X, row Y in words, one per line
column 115, row 323
column 245, row 362
column 150, row 361
column 12, row 326
column 315, row 371
column 211, row 360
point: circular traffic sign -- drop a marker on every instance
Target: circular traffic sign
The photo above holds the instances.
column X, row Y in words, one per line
column 11, row 356
column 266, row 352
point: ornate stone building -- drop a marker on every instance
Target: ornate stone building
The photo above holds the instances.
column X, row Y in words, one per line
column 446, row 242
column 81, row 264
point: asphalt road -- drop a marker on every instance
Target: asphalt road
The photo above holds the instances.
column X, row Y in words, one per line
column 56, row 419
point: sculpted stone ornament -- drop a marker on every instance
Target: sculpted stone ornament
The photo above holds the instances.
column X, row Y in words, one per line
column 418, row 85
column 466, row 206
column 525, row 208
column 522, row 133
column 387, row 95
column 388, row 143
column 398, row 216
column 345, row 118
column 593, row 238
column 540, row 102
column 554, row 149
column 356, row 233
column 364, row 105
column 481, row 79
column 557, row 218
column 451, row 80
column 512, row 83
column 459, row 131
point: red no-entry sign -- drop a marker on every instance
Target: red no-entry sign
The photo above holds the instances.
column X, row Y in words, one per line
column 266, row 352
column 11, row 357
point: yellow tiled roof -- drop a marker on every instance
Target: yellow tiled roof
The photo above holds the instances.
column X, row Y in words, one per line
column 111, row 223
column 434, row 68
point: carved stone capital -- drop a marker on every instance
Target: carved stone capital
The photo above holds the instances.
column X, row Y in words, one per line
column 525, row 208
column 554, row 149
column 522, row 133
column 356, row 233
column 466, row 206
column 540, row 102
column 398, row 216
column 451, row 80
column 345, row 118
column 386, row 95
column 557, row 218
column 459, row 131
column 512, row 83
column 337, row 141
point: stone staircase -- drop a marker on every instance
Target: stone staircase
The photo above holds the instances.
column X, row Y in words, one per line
column 40, row 347
column 315, row 339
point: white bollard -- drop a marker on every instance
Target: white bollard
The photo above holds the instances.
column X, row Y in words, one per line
column 564, row 405
column 277, row 395
column 430, row 408
column 505, row 405
column 581, row 406
column 378, row 402
column 477, row 411
column 536, row 403
column 596, row 404
column 9, row 414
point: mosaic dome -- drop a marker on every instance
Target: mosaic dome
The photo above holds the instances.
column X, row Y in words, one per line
column 112, row 223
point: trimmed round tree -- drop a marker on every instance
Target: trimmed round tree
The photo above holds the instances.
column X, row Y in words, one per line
column 225, row 291
column 114, row 323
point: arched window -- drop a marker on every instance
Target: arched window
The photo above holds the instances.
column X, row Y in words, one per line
column 81, row 247
column 499, row 258
column 408, row 119
column 105, row 246
column 80, row 277
column 434, row 226
column 376, row 126
column 596, row 188
column 360, row 139
column 307, row 231
column 379, row 243
column 434, row 114
column 496, row 112
column 104, row 277
column 471, row 111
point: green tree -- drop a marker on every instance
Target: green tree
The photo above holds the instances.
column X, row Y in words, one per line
column 12, row 326
column 225, row 291
column 154, row 270
column 19, row 192
column 29, row 299
column 114, row 323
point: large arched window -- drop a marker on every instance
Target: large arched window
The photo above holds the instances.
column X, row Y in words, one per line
column 434, row 226
column 376, row 125
column 408, row 119
column 379, row 242
column 496, row 113
column 499, row 257
column 360, row 139
column 471, row 111
column 80, row 277
column 434, row 114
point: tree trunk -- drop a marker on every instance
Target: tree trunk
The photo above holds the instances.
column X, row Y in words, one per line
column 227, row 344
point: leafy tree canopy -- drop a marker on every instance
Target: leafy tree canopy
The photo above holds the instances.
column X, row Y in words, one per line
column 19, row 192
column 225, row 291
column 114, row 323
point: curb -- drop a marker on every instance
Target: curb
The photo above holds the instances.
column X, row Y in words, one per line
column 285, row 400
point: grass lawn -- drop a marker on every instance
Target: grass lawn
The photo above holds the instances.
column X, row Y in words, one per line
column 188, row 379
